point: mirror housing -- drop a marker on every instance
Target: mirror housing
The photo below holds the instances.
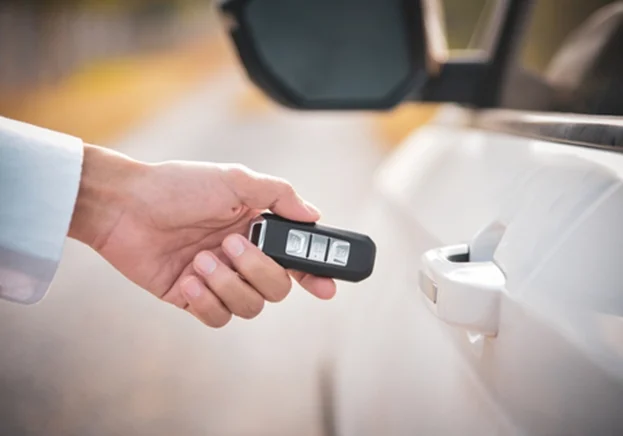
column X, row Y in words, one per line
column 330, row 54
column 368, row 54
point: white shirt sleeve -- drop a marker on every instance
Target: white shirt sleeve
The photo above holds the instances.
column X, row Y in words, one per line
column 39, row 179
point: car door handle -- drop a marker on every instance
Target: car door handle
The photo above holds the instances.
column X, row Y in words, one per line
column 462, row 293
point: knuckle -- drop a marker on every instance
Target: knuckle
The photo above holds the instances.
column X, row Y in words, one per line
column 238, row 170
column 180, row 303
column 280, row 185
column 175, row 299
column 252, row 265
column 221, row 280
column 286, row 188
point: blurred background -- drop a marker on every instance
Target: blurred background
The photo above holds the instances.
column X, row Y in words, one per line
column 157, row 79
column 96, row 68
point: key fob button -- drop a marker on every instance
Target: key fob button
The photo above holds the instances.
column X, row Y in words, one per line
column 318, row 250
column 339, row 253
column 297, row 243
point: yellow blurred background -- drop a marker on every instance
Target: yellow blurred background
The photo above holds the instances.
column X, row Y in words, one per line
column 96, row 68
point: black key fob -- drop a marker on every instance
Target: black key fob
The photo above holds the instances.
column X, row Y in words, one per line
column 315, row 249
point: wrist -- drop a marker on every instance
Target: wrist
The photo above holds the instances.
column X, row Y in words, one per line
column 105, row 188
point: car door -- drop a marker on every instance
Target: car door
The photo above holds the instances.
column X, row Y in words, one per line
column 497, row 305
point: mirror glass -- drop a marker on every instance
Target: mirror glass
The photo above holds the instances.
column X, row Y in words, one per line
column 331, row 54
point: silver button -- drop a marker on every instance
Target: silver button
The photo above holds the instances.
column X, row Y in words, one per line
column 297, row 243
column 318, row 248
column 339, row 253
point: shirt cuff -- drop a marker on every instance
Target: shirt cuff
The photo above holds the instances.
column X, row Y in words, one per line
column 39, row 180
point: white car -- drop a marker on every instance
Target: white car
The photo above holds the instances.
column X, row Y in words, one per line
column 496, row 306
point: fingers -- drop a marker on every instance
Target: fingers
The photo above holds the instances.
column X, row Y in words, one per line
column 238, row 296
column 175, row 295
column 320, row 287
column 204, row 304
column 259, row 270
column 215, row 291
column 259, row 191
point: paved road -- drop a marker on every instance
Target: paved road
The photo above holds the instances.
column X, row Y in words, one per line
column 99, row 357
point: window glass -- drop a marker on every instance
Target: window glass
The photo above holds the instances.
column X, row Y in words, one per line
column 462, row 18
column 466, row 24
column 552, row 23
column 575, row 48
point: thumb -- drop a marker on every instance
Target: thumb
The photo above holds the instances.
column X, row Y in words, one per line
column 260, row 191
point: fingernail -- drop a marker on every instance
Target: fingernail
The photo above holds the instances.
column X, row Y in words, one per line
column 191, row 288
column 206, row 263
column 234, row 246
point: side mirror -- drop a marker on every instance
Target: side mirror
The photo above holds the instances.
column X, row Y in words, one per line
column 368, row 54
column 331, row 54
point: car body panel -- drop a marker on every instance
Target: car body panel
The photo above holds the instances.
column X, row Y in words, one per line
column 556, row 364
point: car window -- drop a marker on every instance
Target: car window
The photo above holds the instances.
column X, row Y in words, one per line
column 576, row 48
column 465, row 22
column 553, row 21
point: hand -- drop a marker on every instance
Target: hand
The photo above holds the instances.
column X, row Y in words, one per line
column 175, row 229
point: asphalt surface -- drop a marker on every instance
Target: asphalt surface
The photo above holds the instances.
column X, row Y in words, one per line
column 101, row 357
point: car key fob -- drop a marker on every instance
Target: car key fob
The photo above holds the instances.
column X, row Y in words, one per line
column 315, row 249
